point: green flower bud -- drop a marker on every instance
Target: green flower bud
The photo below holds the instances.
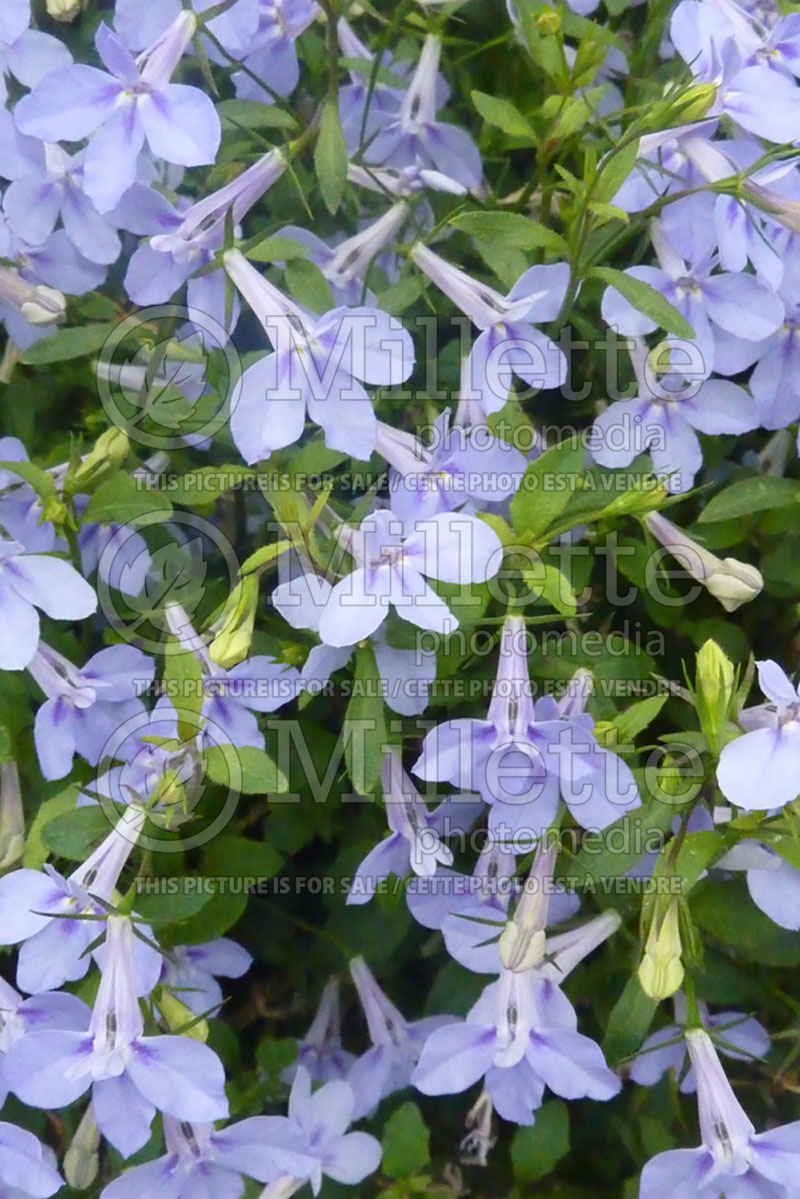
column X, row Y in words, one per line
column 661, row 969
column 232, row 642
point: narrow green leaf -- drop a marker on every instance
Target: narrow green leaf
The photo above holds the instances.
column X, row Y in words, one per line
column 547, row 487
column 66, row 344
column 503, row 114
column 646, row 299
column 509, row 229
column 751, row 495
column 122, row 499
column 330, row 157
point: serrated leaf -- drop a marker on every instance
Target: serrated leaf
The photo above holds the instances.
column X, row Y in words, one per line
column 246, row 769
column 364, row 728
column 646, row 299
column 405, row 1143
column 252, row 114
column 751, row 495
column 262, row 557
column 536, row 1150
column 121, row 499
column 509, row 229
column 503, row 115
column 66, row 344
column 330, row 157
column 308, row 285
column 547, row 486
column 276, row 249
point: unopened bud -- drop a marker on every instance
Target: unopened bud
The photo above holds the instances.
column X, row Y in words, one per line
column 180, row 1018
column 715, row 680
column 81, row 1161
column 109, row 452
column 731, row 582
column 12, row 820
column 43, row 306
column 232, row 643
column 64, row 10
column 661, row 969
column 695, row 102
column 548, row 21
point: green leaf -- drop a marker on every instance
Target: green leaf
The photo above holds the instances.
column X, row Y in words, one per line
column 614, row 172
column 629, row 1022
column 75, row 835
column 40, row 480
column 637, row 717
column 330, row 157
column 36, row 848
column 646, row 299
column 208, row 483
column 727, row 912
column 170, row 906
column 399, row 296
column 183, row 683
column 240, row 857
column 552, row 585
column 263, row 557
column 122, row 499
column 66, row 344
column 277, row 249
column 364, row 730
column 547, row 487
column 503, row 114
column 252, row 114
column 609, row 853
column 751, row 495
column 509, row 229
column 248, row 770
column 405, row 1143
column 536, row 1150
column 308, row 285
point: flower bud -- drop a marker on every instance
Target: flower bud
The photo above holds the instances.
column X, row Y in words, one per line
column 81, row 1161
column 180, row 1018
column 548, row 21
column 695, row 102
column 109, row 451
column 12, row 820
column 731, row 582
column 64, row 10
column 661, row 969
column 232, row 642
column 715, row 682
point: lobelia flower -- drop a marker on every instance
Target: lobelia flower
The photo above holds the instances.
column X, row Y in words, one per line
column 761, row 769
column 84, row 706
column 508, row 344
column 323, row 1118
column 202, row 1161
column 320, row 1051
column 474, row 928
column 270, row 53
column 24, row 1168
column 521, row 1036
column 345, row 265
column 232, row 697
column 414, row 137
column 723, row 309
column 319, row 365
column 26, row 54
column 182, row 241
column 31, row 581
column 139, row 22
column 52, row 189
column 192, row 970
column 58, row 918
column 733, row 1159
column 523, row 756
column 774, row 382
column 131, row 1075
column 361, row 113
column 737, row 1036
column 462, row 465
column 396, row 1044
column 730, row 581
column 415, row 842
column 121, row 110
column 756, row 97
column 405, row 181
column 392, row 557
column 28, row 310
column 664, row 419
column 19, row 1016
column 406, row 674
column 773, row 883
